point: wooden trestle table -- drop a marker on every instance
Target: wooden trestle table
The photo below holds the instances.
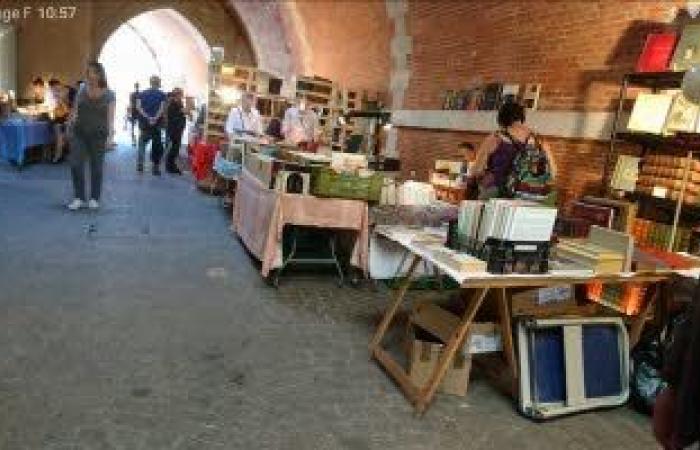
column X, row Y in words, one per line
column 474, row 288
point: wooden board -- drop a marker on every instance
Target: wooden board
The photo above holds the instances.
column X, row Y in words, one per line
column 435, row 320
column 614, row 240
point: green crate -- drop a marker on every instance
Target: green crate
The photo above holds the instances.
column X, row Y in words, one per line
column 326, row 182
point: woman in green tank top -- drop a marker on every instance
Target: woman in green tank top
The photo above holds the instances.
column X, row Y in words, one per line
column 91, row 131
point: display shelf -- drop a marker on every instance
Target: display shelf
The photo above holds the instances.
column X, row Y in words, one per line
column 679, row 142
column 687, row 142
column 650, row 205
column 596, row 125
column 655, row 80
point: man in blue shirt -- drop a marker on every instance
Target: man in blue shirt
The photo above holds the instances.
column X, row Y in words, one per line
column 151, row 107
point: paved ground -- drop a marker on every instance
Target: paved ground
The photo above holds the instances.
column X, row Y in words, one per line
column 146, row 326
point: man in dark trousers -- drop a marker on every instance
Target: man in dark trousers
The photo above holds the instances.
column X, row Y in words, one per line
column 133, row 114
column 176, row 126
column 151, row 108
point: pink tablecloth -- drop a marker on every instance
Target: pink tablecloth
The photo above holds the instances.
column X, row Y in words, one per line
column 260, row 214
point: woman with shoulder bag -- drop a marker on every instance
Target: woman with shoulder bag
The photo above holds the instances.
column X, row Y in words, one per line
column 91, row 133
column 494, row 159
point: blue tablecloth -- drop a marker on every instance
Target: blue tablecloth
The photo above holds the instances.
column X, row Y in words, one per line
column 17, row 135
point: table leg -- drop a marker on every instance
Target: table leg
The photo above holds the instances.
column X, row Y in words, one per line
column 637, row 325
column 447, row 356
column 507, row 334
column 391, row 311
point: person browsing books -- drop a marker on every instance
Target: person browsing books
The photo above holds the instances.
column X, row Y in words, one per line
column 244, row 119
column 494, row 158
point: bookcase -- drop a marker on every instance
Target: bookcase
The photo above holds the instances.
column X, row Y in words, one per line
column 244, row 79
column 665, row 210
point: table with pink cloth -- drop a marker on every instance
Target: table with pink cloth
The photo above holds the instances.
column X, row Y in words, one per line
column 260, row 214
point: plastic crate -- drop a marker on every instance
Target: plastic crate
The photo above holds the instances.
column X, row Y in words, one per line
column 504, row 257
column 326, row 182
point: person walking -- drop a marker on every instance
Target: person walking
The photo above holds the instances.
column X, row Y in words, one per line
column 151, row 108
column 132, row 114
column 176, row 121
column 91, row 131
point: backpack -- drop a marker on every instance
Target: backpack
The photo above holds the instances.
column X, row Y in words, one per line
column 531, row 174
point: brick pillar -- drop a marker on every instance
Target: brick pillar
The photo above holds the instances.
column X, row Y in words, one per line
column 401, row 44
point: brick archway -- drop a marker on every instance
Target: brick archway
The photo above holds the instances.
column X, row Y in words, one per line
column 212, row 23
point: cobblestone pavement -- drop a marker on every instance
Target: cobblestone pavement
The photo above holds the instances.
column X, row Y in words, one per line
column 147, row 326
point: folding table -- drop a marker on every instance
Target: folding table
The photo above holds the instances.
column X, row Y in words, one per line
column 475, row 287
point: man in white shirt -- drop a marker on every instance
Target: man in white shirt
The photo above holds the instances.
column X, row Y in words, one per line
column 244, row 119
column 300, row 123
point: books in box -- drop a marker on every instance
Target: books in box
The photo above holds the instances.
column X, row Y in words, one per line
column 517, row 220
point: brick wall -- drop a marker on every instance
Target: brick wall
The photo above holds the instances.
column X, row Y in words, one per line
column 578, row 50
column 348, row 41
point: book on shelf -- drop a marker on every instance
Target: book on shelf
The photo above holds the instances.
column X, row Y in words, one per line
column 687, row 52
column 474, row 99
column 531, row 95
column 657, row 52
column 683, row 115
column 510, row 93
column 492, row 97
column 649, row 113
column 626, row 173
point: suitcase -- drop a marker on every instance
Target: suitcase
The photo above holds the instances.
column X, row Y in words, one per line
column 572, row 365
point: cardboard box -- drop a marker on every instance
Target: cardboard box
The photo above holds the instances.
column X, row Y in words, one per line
column 549, row 302
column 483, row 338
column 424, row 356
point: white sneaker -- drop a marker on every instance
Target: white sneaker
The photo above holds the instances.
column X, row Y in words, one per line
column 76, row 204
column 93, row 204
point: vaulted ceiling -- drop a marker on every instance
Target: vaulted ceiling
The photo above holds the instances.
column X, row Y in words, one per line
column 345, row 40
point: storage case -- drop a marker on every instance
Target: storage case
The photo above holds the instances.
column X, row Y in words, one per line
column 515, row 257
column 572, row 365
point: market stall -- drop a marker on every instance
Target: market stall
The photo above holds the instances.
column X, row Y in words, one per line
column 260, row 215
column 18, row 135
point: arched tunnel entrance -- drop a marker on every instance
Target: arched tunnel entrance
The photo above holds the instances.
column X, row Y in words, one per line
column 160, row 42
